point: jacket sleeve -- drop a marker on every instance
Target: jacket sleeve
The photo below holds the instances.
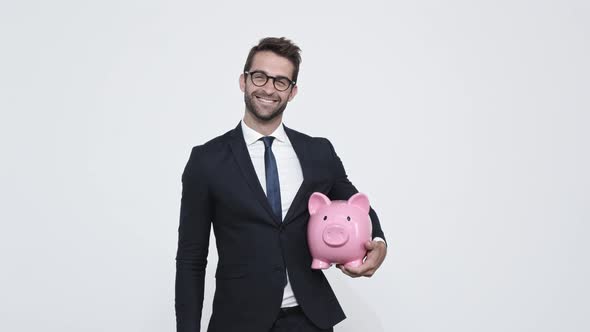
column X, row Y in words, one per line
column 193, row 245
column 343, row 189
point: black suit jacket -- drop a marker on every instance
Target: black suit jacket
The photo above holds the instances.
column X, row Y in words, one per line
column 221, row 189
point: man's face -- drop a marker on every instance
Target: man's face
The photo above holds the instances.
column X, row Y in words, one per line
column 265, row 102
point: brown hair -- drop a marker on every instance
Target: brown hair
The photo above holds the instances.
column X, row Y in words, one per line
column 280, row 46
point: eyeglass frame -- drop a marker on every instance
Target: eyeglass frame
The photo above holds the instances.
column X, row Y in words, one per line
column 274, row 78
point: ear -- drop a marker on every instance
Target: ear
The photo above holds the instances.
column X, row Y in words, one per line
column 316, row 201
column 243, row 82
column 361, row 201
column 293, row 93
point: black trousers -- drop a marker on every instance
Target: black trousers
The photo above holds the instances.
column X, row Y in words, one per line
column 294, row 320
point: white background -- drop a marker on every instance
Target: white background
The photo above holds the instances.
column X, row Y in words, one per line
column 465, row 122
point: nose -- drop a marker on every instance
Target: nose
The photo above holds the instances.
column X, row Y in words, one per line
column 269, row 87
column 335, row 235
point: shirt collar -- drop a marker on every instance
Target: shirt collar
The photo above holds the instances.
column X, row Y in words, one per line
column 251, row 136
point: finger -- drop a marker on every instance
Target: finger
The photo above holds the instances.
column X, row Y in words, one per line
column 376, row 252
column 359, row 270
column 369, row 273
column 370, row 245
column 353, row 272
column 345, row 271
column 374, row 260
column 371, row 259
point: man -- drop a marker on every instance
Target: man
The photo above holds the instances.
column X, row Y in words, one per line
column 253, row 185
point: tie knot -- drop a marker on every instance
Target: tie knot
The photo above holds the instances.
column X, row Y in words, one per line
column 267, row 141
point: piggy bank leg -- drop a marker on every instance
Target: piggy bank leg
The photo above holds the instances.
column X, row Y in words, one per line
column 355, row 263
column 319, row 264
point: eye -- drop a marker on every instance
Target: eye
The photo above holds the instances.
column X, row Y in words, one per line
column 258, row 75
column 282, row 83
column 325, row 217
column 348, row 218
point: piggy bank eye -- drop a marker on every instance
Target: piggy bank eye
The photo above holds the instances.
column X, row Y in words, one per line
column 325, row 217
column 348, row 218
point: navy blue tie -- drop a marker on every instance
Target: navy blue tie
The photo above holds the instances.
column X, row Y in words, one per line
column 273, row 188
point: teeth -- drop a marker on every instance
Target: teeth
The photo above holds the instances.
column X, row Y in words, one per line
column 264, row 100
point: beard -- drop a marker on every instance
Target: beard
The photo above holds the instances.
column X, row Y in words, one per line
column 254, row 110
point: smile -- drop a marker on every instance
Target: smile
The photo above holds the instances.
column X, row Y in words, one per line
column 266, row 100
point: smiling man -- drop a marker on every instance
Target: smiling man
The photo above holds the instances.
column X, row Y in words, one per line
column 252, row 184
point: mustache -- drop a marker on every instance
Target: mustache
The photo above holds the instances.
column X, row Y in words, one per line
column 273, row 96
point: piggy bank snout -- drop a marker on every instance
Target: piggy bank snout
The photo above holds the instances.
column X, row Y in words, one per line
column 335, row 235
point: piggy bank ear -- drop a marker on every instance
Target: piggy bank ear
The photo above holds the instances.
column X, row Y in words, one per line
column 316, row 201
column 361, row 201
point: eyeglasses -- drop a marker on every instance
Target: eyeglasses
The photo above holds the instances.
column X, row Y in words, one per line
column 260, row 78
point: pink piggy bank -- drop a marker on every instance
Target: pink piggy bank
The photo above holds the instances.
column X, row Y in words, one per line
column 338, row 230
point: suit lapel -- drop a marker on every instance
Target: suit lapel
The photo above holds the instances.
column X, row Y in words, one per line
column 240, row 151
column 302, row 150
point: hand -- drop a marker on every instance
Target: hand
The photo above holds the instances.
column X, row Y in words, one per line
column 376, row 252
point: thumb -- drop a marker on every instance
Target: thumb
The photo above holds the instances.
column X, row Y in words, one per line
column 369, row 245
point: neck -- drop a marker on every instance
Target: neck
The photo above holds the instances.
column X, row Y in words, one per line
column 263, row 127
